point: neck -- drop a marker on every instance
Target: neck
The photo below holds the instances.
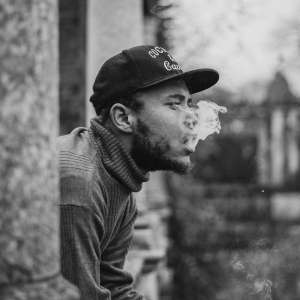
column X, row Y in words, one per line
column 115, row 157
column 125, row 138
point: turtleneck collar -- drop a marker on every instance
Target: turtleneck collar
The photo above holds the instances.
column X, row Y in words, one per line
column 116, row 158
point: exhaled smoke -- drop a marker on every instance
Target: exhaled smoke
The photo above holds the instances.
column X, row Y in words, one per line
column 160, row 10
column 201, row 120
column 259, row 287
column 263, row 287
column 207, row 113
column 253, row 269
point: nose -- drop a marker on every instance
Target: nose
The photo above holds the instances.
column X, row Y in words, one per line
column 191, row 120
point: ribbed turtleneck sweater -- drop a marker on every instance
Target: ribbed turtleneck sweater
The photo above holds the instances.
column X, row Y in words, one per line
column 97, row 212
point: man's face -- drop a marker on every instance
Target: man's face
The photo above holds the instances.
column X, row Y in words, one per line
column 161, row 138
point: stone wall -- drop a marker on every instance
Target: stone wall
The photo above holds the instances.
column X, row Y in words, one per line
column 29, row 239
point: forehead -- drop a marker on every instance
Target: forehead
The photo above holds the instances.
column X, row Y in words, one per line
column 163, row 90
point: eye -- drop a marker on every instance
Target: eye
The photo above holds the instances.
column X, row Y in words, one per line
column 174, row 105
column 191, row 105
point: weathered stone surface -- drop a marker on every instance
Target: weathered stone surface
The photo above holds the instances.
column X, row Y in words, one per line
column 55, row 289
column 29, row 234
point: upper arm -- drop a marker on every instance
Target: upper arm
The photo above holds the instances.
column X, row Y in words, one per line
column 81, row 234
column 81, row 228
column 113, row 276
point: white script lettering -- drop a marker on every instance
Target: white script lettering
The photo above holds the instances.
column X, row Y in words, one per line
column 158, row 50
column 169, row 66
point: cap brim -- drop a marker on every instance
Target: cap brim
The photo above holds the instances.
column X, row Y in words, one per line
column 196, row 80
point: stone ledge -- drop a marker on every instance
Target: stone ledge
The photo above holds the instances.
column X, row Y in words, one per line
column 139, row 262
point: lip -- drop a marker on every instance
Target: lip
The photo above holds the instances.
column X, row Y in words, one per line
column 189, row 149
column 186, row 143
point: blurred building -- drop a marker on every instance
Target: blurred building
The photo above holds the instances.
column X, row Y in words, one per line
column 90, row 32
column 236, row 225
column 273, row 127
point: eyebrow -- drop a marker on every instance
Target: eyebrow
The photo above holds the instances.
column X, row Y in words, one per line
column 180, row 97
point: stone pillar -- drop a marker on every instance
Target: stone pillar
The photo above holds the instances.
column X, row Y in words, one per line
column 29, row 193
column 293, row 155
column 112, row 25
column 263, row 152
column 277, row 147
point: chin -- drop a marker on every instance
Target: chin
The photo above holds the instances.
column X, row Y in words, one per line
column 182, row 165
column 183, row 159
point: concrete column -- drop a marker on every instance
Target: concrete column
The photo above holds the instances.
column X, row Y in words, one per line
column 277, row 147
column 112, row 25
column 148, row 283
column 263, row 153
column 293, row 159
column 29, row 228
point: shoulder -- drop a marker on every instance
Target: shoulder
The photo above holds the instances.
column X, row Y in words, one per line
column 76, row 155
column 77, row 142
column 76, row 150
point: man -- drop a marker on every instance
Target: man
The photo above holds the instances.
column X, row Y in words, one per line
column 139, row 128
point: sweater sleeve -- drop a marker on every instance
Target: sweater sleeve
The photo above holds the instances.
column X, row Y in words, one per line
column 113, row 276
column 80, row 251
column 99, row 275
column 82, row 230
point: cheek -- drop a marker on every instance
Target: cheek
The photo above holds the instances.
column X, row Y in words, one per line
column 164, row 123
column 167, row 130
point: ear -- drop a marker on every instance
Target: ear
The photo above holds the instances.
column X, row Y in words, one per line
column 122, row 117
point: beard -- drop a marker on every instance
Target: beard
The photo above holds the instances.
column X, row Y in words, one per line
column 150, row 156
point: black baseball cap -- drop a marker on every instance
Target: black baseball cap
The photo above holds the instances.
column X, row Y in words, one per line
column 139, row 67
